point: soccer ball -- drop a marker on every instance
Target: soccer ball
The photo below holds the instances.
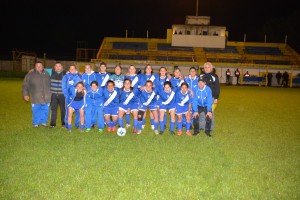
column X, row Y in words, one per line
column 121, row 131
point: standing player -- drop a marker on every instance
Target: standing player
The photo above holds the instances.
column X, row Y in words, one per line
column 111, row 105
column 69, row 81
column 148, row 100
column 102, row 76
column 94, row 108
column 88, row 77
column 177, row 79
column 148, row 75
column 128, row 101
column 167, row 102
column 183, row 108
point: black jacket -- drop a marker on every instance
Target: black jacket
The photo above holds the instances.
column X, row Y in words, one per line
column 212, row 80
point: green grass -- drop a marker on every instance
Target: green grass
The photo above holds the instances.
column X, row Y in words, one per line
column 254, row 154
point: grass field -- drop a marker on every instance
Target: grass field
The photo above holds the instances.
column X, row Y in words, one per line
column 254, row 154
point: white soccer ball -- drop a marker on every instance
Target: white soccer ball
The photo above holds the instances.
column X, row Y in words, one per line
column 121, row 132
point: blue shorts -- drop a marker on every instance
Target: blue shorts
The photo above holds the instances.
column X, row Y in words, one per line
column 113, row 111
column 132, row 107
column 181, row 109
column 76, row 105
column 151, row 107
column 167, row 107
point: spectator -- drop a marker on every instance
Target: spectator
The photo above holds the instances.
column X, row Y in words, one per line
column 237, row 75
column 270, row 76
column 285, row 79
column 247, row 74
column 36, row 87
column 278, row 77
column 228, row 74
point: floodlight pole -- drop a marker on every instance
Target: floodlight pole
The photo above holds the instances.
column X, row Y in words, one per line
column 197, row 8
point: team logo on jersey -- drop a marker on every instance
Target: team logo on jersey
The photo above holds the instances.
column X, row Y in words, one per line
column 71, row 82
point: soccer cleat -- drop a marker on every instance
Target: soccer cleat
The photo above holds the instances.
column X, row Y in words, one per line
column 207, row 132
column 152, row 127
column 35, row 126
column 143, row 126
column 134, row 131
column 51, row 126
column 161, row 132
column 100, row 130
column 139, row 132
column 179, row 132
column 188, row 133
column 156, row 132
column 88, row 130
column 113, row 129
column 195, row 133
column 108, row 129
column 44, row 125
column 127, row 125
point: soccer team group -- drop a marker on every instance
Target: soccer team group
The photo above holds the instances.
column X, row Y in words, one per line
column 115, row 100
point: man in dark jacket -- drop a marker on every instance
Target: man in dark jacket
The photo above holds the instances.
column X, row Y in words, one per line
column 57, row 96
column 212, row 80
column 36, row 87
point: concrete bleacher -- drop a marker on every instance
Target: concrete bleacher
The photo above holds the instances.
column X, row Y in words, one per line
column 272, row 62
column 130, row 45
column 173, row 58
column 168, row 47
column 227, row 49
column 127, row 57
column 263, row 50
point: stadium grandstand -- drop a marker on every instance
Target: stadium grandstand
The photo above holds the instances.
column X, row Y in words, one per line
column 195, row 43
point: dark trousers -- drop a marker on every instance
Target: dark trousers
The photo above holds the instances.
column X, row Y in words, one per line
column 57, row 100
column 227, row 79
column 207, row 120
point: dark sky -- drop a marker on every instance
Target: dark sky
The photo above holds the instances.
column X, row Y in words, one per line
column 55, row 27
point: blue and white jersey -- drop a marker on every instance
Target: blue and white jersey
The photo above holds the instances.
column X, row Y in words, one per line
column 102, row 78
column 134, row 80
column 88, row 78
column 69, row 81
column 95, row 97
column 161, row 80
column 192, row 82
column 129, row 97
column 77, row 100
column 176, row 82
column 145, row 77
column 111, row 99
column 183, row 99
column 203, row 97
column 166, row 98
column 148, row 98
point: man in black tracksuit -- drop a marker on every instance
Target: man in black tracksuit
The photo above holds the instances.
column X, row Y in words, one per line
column 212, row 80
column 57, row 96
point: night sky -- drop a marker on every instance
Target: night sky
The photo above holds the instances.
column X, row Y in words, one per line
column 56, row 27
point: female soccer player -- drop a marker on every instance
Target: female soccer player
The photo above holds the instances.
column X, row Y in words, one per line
column 177, row 79
column 166, row 102
column 147, row 100
column 183, row 107
column 111, row 105
column 94, row 108
column 76, row 102
column 128, row 101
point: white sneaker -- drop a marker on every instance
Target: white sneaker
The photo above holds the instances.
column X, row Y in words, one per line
column 156, row 132
column 152, row 127
column 127, row 125
column 139, row 132
column 143, row 126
